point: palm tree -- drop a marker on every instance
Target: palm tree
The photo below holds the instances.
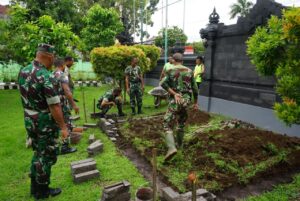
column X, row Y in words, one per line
column 241, row 8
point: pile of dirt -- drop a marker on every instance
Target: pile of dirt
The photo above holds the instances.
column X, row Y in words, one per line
column 221, row 156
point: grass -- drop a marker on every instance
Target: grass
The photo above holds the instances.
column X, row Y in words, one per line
column 15, row 158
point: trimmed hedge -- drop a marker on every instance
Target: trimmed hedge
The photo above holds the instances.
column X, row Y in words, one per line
column 112, row 61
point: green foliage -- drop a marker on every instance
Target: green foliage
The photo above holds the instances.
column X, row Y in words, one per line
column 24, row 36
column 112, row 61
column 60, row 10
column 241, row 8
column 128, row 11
column 274, row 50
column 152, row 52
column 174, row 34
column 101, row 27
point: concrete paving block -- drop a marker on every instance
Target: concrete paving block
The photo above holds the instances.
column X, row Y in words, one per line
column 74, row 118
column 95, row 148
column 120, row 197
column 113, row 139
column 110, row 133
column 90, row 125
column 114, row 190
column 82, row 161
column 92, row 138
column 111, row 121
column 121, row 121
column 169, row 194
column 82, row 177
column 83, row 167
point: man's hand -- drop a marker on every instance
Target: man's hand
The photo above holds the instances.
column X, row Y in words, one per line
column 64, row 134
column 76, row 109
column 178, row 98
column 112, row 103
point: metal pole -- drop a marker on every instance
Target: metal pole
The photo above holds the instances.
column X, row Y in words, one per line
column 166, row 33
column 134, row 20
column 142, row 20
column 183, row 25
column 162, row 14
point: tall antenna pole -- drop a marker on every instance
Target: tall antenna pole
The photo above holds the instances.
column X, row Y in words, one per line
column 183, row 25
column 162, row 14
column 133, row 19
column 142, row 20
column 166, row 33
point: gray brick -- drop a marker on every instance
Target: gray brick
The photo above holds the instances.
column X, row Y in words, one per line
column 95, row 148
column 82, row 161
column 169, row 194
column 111, row 121
column 82, row 177
column 83, row 167
column 114, row 190
column 92, row 138
column 90, row 125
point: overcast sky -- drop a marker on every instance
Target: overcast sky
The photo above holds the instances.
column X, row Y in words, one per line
column 197, row 13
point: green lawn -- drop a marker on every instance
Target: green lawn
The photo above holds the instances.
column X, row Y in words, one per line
column 15, row 158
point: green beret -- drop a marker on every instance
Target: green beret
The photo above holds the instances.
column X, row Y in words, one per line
column 46, row 48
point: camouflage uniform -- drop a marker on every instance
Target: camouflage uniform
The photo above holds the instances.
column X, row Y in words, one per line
column 59, row 79
column 70, row 80
column 135, row 85
column 37, row 93
column 109, row 97
column 181, row 80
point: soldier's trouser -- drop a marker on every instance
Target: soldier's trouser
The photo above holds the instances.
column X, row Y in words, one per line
column 136, row 96
column 117, row 101
column 177, row 113
column 67, row 115
column 46, row 149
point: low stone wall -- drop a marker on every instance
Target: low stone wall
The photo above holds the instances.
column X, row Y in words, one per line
column 13, row 85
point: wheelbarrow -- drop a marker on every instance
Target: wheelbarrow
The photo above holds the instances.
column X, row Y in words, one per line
column 159, row 94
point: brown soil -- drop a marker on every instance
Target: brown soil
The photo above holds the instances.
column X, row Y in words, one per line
column 238, row 146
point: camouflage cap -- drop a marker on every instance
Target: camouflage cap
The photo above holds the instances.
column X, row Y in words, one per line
column 46, row 48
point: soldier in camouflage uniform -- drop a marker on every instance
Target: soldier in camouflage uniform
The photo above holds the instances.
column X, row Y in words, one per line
column 61, row 84
column 180, row 84
column 69, row 61
column 43, row 117
column 135, row 85
column 110, row 99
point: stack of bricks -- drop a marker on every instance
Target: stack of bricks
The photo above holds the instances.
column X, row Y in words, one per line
column 84, row 170
column 108, row 126
column 117, row 192
column 168, row 194
column 95, row 147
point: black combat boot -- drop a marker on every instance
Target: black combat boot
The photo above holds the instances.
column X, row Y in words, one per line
column 33, row 187
column 140, row 110
column 43, row 191
column 133, row 111
column 120, row 111
column 66, row 149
